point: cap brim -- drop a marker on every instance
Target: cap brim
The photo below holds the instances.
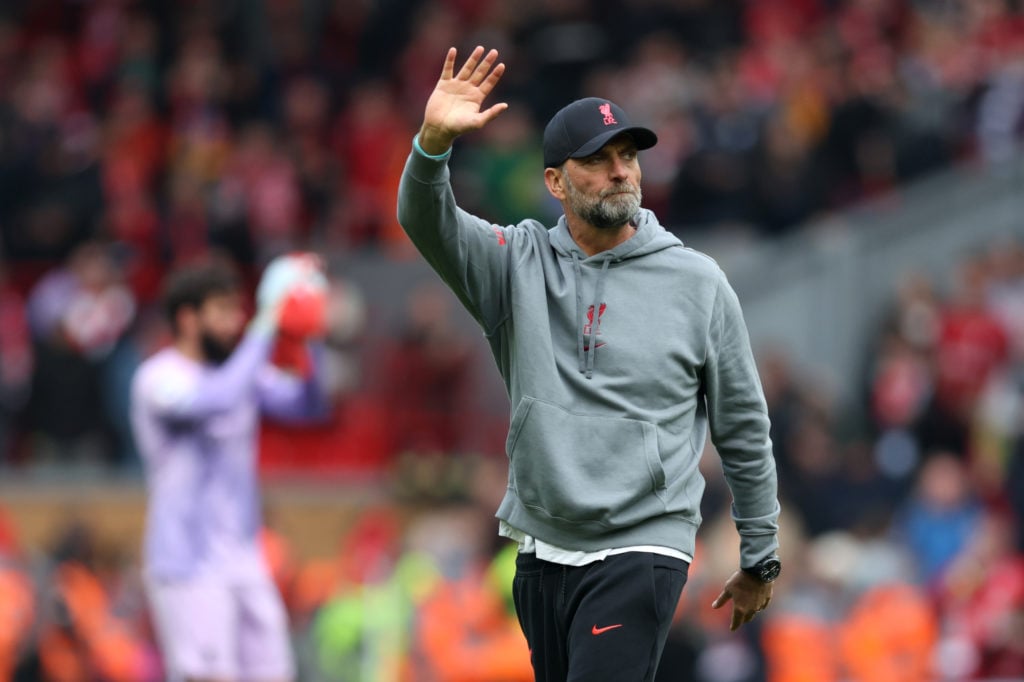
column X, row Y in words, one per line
column 644, row 138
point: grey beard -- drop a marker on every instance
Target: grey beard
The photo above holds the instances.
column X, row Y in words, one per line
column 608, row 210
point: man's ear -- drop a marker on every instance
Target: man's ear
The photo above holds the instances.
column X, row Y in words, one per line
column 555, row 182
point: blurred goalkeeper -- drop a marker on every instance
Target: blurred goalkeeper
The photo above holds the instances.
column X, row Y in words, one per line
column 195, row 411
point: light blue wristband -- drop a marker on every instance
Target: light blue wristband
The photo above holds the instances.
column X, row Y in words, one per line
column 433, row 157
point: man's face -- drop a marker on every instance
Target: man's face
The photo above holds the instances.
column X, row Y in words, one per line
column 221, row 318
column 604, row 188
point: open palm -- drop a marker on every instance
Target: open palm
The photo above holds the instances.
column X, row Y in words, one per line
column 455, row 106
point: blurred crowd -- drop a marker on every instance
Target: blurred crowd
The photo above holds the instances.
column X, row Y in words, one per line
column 923, row 487
column 902, row 536
column 139, row 134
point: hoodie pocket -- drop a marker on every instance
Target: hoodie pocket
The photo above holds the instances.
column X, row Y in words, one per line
column 588, row 469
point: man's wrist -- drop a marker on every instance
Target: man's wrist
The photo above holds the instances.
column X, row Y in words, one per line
column 433, row 144
column 766, row 570
column 264, row 323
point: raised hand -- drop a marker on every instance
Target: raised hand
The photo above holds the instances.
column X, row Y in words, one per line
column 455, row 106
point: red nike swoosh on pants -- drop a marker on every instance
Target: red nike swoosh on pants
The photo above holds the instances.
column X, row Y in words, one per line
column 596, row 630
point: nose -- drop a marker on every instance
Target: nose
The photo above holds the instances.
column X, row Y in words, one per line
column 618, row 169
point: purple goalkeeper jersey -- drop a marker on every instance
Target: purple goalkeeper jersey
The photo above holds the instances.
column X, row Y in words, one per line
column 196, row 426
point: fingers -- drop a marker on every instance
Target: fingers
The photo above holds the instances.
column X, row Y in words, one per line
column 477, row 71
column 483, row 68
column 739, row 614
column 448, row 70
column 492, row 112
column 471, row 63
column 492, row 79
column 740, row 617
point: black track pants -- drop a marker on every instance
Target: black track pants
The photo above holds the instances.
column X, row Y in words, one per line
column 603, row 622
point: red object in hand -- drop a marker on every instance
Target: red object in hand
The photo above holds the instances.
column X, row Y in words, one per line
column 304, row 313
column 290, row 353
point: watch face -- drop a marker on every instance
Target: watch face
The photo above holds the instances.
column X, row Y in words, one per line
column 770, row 569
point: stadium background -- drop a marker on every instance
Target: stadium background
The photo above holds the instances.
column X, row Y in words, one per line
column 855, row 165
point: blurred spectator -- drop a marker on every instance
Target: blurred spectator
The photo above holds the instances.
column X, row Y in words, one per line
column 425, row 375
column 134, row 152
column 940, row 517
column 361, row 631
column 788, row 187
column 9, row 548
column 306, row 127
column 714, row 185
column 889, row 636
column 258, row 198
column 17, row 616
column 817, row 486
column 16, row 361
column 996, row 434
column 81, row 637
column 983, row 597
column 1001, row 108
column 481, row 639
column 346, row 324
column 50, row 185
column 1014, row 484
column 372, row 140
column 971, row 345
column 1004, row 291
column 78, row 314
column 901, row 383
column 84, row 305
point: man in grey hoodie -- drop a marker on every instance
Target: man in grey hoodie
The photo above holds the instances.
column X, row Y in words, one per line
column 619, row 348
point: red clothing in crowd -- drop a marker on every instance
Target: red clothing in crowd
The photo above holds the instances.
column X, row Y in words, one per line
column 971, row 344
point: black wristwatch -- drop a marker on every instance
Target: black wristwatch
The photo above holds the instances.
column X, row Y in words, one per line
column 766, row 570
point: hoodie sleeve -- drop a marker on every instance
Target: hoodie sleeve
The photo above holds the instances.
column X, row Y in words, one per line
column 471, row 255
column 738, row 418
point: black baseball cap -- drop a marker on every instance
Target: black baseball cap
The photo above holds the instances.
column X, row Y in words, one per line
column 581, row 128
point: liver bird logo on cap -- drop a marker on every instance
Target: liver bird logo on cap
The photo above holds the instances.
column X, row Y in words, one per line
column 606, row 110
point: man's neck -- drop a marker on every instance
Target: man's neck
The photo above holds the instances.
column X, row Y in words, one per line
column 594, row 240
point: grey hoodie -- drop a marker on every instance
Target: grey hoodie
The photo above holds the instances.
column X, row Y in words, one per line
column 616, row 365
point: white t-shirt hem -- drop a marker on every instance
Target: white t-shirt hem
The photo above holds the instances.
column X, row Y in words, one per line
column 570, row 557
